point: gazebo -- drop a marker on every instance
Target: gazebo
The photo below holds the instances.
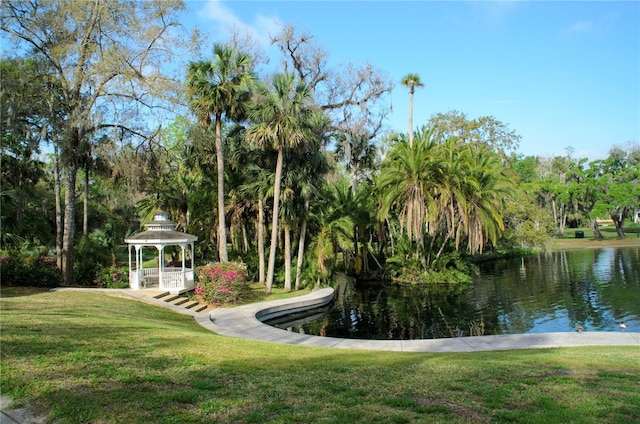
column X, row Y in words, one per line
column 176, row 276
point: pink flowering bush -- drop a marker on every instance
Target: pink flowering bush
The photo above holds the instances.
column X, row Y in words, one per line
column 221, row 283
column 112, row 277
column 23, row 268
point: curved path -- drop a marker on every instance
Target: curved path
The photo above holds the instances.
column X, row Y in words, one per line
column 243, row 322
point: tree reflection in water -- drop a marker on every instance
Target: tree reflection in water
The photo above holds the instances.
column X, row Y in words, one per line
column 595, row 288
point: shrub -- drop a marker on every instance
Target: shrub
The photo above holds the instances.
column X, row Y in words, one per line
column 18, row 268
column 221, row 283
column 112, row 277
column 90, row 258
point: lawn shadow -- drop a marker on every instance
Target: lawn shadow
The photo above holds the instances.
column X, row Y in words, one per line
column 18, row 291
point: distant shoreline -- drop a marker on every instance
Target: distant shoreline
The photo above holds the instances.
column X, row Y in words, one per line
column 591, row 243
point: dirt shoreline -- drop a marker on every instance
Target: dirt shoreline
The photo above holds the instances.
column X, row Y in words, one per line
column 591, row 243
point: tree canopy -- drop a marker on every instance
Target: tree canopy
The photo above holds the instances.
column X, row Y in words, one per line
column 232, row 154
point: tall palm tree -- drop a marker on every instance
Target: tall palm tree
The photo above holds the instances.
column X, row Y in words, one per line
column 216, row 88
column 313, row 167
column 281, row 111
column 412, row 81
column 258, row 186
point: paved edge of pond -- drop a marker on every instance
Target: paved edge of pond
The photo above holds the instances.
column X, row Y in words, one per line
column 242, row 322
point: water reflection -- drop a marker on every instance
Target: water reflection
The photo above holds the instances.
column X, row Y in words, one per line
column 595, row 288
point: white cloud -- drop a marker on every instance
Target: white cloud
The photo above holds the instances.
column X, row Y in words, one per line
column 580, row 27
column 494, row 12
column 259, row 29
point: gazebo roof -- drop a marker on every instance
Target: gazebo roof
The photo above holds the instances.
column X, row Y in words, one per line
column 160, row 231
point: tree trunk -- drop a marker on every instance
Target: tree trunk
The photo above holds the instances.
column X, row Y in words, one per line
column 357, row 263
column 85, row 211
column 382, row 238
column 69, row 223
column 274, row 226
column 563, row 218
column 392, row 237
column 261, row 240
column 245, row 239
column 22, row 194
column 596, row 231
column 555, row 214
column 232, row 236
column 411, row 91
column 303, row 235
column 618, row 220
column 57, row 188
column 365, row 256
column 222, row 227
column 287, row 258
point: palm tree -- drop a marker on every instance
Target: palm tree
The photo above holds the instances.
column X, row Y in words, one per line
column 280, row 112
column 258, row 186
column 334, row 229
column 216, row 88
column 407, row 179
column 485, row 195
column 301, row 183
column 412, row 81
column 449, row 206
column 312, row 167
column 469, row 194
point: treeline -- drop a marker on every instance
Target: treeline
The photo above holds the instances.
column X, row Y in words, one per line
column 291, row 172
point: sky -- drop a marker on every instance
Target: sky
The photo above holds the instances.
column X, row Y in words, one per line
column 565, row 76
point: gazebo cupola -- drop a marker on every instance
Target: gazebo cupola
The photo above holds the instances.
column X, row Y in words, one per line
column 175, row 276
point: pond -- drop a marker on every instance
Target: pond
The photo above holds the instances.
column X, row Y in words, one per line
column 558, row 291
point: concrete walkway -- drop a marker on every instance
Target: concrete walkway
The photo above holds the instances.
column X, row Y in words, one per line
column 18, row 415
column 242, row 322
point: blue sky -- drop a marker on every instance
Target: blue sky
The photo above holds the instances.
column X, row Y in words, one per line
column 561, row 74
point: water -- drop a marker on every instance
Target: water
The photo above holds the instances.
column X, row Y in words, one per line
column 594, row 288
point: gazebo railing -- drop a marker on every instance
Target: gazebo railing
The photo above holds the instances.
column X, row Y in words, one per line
column 172, row 279
column 146, row 272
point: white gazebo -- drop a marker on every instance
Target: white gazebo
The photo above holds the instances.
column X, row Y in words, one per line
column 175, row 277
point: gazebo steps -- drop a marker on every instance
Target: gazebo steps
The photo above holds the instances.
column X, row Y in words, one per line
column 197, row 307
column 160, row 295
column 181, row 301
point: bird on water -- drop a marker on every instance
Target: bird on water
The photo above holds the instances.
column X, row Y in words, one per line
column 623, row 326
column 579, row 328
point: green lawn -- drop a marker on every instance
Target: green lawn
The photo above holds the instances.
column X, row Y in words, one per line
column 90, row 358
column 610, row 238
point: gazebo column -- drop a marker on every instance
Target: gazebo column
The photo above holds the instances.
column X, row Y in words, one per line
column 184, row 275
column 134, row 273
column 193, row 263
column 160, row 264
column 130, row 263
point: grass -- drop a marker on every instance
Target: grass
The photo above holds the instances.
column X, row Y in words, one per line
column 89, row 358
column 610, row 238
